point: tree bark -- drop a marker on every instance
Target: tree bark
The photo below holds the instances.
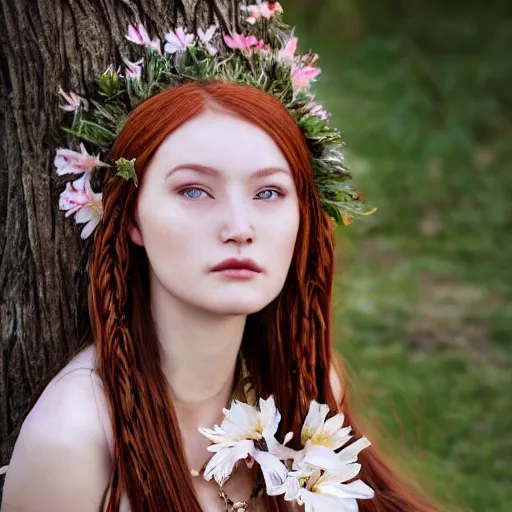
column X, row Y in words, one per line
column 43, row 282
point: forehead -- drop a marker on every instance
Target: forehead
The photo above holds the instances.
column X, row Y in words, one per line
column 221, row 140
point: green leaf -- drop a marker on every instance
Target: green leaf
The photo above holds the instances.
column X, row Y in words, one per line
column 126, row 169
column 109, row 85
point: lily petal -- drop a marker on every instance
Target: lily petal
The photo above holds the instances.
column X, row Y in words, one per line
column 321, row 457
column 222, row 463
column 274, row 471
column 354, row 490
column 320, row 503
column 89, row 227
column 270, row 416
column 68, row 161
column 350, row 453
column 314, row 421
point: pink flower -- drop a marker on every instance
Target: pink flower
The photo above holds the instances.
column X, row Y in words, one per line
column 140, row 36
column 73, row 101
column 241, row 42
column 68, row 161
column 287, row 54
column 262, row 9
column 319, row 111
column 133, row 69
column 290, row 47
column 303, row 76
column 79, row 198
column 178, row 41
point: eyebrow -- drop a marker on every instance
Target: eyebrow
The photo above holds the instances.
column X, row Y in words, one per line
column 259, row 173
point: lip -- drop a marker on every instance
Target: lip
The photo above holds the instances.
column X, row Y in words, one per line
column 237, row 268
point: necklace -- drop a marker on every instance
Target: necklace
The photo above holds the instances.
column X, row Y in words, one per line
column 243, row 391
column 233, row 506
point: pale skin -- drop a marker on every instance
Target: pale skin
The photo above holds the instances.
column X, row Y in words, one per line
column 217, row 188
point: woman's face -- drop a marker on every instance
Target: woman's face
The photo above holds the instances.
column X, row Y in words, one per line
column 218, row 189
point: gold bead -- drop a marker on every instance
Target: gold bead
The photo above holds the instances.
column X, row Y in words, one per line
column 194, row 472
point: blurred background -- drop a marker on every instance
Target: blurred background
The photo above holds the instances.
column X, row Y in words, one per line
column 422, row 92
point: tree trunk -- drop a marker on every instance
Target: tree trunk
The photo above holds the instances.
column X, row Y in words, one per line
column 43, row 282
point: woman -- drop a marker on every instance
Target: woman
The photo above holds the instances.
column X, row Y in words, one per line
column 223, row 185
column 216, row 267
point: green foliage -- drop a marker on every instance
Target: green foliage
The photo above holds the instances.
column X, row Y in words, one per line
column 422, row 303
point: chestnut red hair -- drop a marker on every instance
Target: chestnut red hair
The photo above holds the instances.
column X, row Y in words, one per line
column 287, row 345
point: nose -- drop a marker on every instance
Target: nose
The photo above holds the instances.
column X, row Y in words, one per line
column 238, row 227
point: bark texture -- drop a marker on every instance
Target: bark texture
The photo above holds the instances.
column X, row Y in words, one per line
column 43, row 282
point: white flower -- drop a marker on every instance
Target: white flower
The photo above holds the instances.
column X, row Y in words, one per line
column 246, row 434
column 133, row 69
column 68, row 161
column 320, row 438
column 324, row 490
column 79, row 198
column 321, row 432
column 206, row 37
column 318, row 474
column 178, row 41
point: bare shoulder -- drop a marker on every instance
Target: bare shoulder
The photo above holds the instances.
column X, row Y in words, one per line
column 61, row 455
column 335, row 381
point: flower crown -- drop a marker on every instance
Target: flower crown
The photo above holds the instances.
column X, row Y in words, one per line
column 264, row 56
column 315, row 476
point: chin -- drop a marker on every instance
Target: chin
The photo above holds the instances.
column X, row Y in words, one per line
column 236, row 307
column 237, row 303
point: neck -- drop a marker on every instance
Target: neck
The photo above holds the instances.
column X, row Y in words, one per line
column 198, row 354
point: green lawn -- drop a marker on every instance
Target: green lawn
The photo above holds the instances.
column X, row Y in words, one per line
column 423, row 309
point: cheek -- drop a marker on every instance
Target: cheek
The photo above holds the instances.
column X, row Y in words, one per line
column 284, row 234
column 170, row 237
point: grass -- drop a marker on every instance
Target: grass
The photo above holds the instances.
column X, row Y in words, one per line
column 423, row 315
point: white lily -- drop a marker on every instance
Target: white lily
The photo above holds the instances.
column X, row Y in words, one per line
column 81, row 200
column 328, row 493
column 324, row 433
column 325, row 491
column 178, row 40
column 68, row 161
column 320, row 438
column 247, row 434
column 206, row 36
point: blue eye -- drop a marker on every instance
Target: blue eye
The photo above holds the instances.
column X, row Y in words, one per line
column 192, row 193
column 268, row 194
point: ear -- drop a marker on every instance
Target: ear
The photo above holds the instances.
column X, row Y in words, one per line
column 136, row 235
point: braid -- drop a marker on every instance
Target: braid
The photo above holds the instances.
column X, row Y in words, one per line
column 113, row 341
column 139, row 412
column 310, row 296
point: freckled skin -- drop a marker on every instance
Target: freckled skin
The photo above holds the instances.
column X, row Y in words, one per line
column 189, row 221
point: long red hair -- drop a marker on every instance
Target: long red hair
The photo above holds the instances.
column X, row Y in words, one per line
column 287, row 345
